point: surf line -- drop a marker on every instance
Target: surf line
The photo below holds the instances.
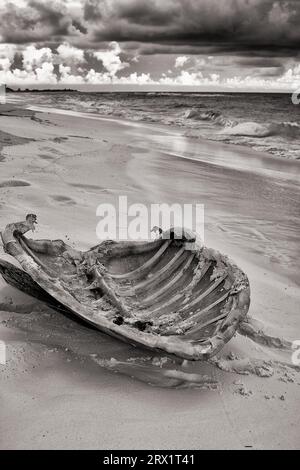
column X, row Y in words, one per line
column 114, row 460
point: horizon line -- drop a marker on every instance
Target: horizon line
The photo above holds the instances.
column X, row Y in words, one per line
column 129, row 89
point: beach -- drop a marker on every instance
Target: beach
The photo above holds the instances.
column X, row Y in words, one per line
column 60, row 387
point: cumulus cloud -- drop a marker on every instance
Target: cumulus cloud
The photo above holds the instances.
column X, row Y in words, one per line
column 67, row 77
column 34, row 58
column 185, row 78
column 111, row 58
column 68, row 65
column 69, row 54
column 291, row 77
column 96, row 78
column 180, row 61
column 38, row 67
column 136, row 79
column 44, row 73
column 4, row 63
column 7, row 52
column 289, row 81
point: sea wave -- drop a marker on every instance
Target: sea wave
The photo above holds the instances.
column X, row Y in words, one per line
column 209, row 115
column 248, row 128
column 254, row 129
column 266, row 123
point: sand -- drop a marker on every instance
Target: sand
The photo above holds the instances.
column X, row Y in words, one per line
column 58, row 387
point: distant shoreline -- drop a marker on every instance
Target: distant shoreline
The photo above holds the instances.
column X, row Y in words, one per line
column 119, row 90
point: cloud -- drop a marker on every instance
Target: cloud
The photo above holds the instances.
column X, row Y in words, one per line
column 92, row 10
column 7, row 52
column 70, row 65
column 44, row 73
column 96, row 78
column 258, row 62
column 224, row 24
column 180, row 61
column 184, row 78
column 111, row 58
column 289, row 81
column 37, row 66
column 219, row 42
column 4, row 63
column 34, row 58
column 291, row 77
column 136, row 79
column 67, row 77
column 69, row 54
column 38, row 20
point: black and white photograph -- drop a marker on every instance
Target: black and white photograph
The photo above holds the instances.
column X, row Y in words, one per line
column 149, row 227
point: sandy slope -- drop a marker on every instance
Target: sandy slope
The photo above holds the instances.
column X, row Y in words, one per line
column 57, row 388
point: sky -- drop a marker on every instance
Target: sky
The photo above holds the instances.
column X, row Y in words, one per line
column 209, row 45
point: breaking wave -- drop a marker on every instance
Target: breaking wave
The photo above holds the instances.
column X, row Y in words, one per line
column 241, row 119
column 278, row 138
column 254, row 129
column 209, row 115
column 248, row 129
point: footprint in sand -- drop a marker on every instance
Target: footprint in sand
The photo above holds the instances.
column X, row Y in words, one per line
column 13, row 183
column 63, row 200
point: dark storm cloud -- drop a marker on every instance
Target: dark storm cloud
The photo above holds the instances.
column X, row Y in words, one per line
column 145, row 13
column 92, row 10
column 38, row 21
column 258, row 62
column 207, row 49
column 79, row 26
column 227, row 24
column 272, row 72
column 224, row 26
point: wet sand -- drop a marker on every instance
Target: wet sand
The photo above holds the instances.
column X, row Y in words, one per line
column 58, row 389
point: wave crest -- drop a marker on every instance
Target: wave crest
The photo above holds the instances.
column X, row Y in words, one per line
column 254, row 129
column 209, row 115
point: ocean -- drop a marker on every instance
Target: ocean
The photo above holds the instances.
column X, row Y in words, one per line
column 268, row 122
